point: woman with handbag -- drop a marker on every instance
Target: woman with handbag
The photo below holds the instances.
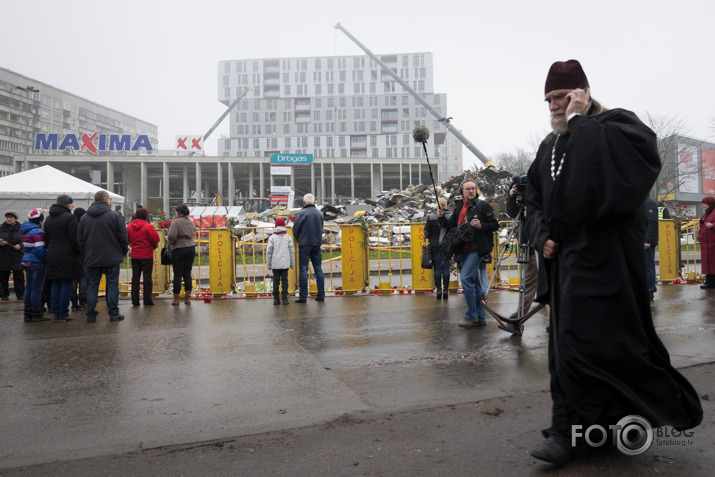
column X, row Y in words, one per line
column 434, row 234
column 143, row 239
column 183, row 250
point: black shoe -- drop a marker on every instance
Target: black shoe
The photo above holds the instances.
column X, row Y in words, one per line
column 706, row 286
column 301, row 301
column 92, row 319
column 151, row 303
column 320, row 299
column 38, row 315
column 135, row 304
column 116, row 318
column 554, row 450
column 276, row 301
column 438, row 295
column 445, row 296
column 285, row 301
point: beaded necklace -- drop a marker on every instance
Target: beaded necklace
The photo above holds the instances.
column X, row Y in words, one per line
column 555, row 172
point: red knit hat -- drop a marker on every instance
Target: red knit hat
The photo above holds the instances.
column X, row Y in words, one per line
column 280, row 223
column 565, row 75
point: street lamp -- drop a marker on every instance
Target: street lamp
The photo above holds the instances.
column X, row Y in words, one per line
column 28, row 90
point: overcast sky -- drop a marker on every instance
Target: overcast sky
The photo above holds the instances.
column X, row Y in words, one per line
column 157, row 59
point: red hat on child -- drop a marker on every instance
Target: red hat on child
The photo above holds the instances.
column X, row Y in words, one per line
column 280, row 223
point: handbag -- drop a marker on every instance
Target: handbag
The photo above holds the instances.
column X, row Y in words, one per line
column 166, row 255
column 426, row 261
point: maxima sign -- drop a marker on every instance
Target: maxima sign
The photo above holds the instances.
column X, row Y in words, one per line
column 92, row 143
column 291, row 159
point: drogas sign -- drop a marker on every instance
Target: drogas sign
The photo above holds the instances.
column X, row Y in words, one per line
column 291, row 159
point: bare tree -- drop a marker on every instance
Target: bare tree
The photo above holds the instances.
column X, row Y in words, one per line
column 516, row 162
column 674, row 172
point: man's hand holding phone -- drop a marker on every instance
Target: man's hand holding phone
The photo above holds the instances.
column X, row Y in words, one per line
column 579, row 101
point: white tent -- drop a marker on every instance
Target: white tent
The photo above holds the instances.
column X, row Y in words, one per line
column 39, row 187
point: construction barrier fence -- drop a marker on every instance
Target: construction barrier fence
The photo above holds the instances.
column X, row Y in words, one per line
column 379, row 258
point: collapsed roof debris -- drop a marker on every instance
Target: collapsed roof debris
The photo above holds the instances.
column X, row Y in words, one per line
column 395, row 206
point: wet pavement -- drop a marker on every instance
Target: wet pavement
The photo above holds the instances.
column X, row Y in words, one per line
column 176, row 376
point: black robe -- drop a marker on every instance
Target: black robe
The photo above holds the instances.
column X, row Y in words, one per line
column 605, row 359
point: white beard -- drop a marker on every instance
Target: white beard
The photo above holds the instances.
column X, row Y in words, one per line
column 559, row 125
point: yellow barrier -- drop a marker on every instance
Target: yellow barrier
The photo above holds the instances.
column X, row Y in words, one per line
column 354, row 258
column 669, row 250
column 222, row 254
column 383, row 257
column 422, row 280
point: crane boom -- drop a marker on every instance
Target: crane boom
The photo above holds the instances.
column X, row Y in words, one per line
column 246, row 89
column 450, row 127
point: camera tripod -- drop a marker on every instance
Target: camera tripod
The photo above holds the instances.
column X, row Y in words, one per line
column 514, row 325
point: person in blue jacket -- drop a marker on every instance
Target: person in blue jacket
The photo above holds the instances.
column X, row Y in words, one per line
column 308, row 232
column 34, row 260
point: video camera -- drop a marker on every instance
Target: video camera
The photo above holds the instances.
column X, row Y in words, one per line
column 520, row 183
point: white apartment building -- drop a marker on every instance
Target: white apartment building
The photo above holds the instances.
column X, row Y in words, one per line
column 331, row 107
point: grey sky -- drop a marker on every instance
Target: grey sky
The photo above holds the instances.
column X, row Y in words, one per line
column 157, row 59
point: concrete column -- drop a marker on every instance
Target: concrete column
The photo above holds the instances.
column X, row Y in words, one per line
column 322, row 183
column 185, row 194
column 231, row 192
column 332, row 181
column 401, row 176
column 199, row 197
column 143, row 181
column 219, row 181
column 110, row 177
column 250, row 181
column 409, row 171
column 312, row 179
column 261, row 181
column 382, row 177
column 352, row 180
column 165, row 183
column 372, row 180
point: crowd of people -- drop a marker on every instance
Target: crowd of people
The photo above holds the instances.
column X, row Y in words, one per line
column 57, row 262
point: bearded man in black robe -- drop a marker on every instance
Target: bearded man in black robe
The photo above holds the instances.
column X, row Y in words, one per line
column 584, row 194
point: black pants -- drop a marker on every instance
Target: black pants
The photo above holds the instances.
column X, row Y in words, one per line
column 280, row 276
column 182, row 263
column 18, row 277
column 142, row 266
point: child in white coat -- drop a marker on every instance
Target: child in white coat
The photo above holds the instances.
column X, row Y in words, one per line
column 280, row 258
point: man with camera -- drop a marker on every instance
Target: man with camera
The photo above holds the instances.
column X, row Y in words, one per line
column 515, row 202
column 585, row 193
column 477, row 220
